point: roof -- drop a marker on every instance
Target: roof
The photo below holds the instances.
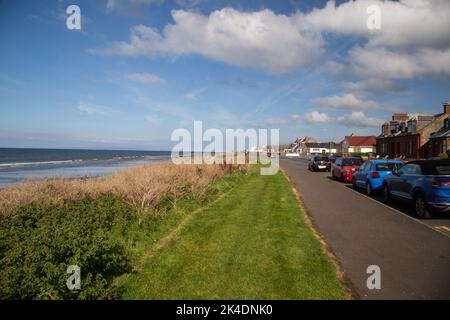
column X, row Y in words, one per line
column 441, row 133
column 361, row 141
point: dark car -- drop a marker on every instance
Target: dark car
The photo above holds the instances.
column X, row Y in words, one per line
column 424, row 183
column 344, row 168
column 319, row 163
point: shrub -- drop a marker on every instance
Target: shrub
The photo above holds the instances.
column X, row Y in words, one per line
column 443, row 156
column 38, row 244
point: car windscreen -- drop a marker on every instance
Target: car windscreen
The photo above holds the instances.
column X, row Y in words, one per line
column 387, row 166
column 437, row 169
column 321, row 159
column 351, row 162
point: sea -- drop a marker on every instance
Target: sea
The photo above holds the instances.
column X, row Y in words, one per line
column 18, row 164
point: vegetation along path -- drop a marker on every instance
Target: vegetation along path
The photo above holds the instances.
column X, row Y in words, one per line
column 251, row 244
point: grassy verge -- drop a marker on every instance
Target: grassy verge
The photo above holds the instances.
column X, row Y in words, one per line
column 252, row 244
column 99, row 225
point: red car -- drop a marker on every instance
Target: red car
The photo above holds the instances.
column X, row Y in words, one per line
column 344, row 168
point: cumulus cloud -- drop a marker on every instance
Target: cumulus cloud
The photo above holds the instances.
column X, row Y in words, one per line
column 359, row 119
column 261, row 39
column 317, row 117
column 413, row 39
column 403, row 23
column 348, row 101
column 385, row 63
column 145, row 78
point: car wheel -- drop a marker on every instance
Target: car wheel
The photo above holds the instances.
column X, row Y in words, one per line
column 422, row 209
column 386, row 194
column 369, row 189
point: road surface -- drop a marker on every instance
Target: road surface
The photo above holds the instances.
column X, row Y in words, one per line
column 413, row 255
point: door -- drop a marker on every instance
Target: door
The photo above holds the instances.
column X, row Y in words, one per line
column 361, row 174
column 402, row 184
column 412, row 173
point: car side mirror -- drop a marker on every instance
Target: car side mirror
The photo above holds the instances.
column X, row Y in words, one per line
column 395, row 172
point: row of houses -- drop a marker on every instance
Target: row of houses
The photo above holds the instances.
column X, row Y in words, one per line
column 415, row 136
column 350, row 144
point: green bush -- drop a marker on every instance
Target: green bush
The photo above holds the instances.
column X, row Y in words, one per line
column 443, row 156
column 38, row 244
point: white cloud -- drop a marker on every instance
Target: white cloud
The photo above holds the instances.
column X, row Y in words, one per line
column 359, row 119
column 90, row 109
column 194, row 94
column 261, row 39
column 348, row 101
column 145, row 78
column 413, row 38
column 403, row 23
column 317, row 117
column 388, row 64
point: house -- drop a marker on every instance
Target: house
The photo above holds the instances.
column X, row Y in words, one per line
column 411, row 138
column 298, row 145
column 440, row 140
column 319, row 148
column 358, row 144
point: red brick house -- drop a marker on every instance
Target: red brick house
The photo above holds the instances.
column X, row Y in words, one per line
column 410, row 137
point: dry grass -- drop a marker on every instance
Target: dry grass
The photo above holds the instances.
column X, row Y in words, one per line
column 145, row 188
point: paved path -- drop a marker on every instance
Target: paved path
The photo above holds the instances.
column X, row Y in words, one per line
column 414, row 255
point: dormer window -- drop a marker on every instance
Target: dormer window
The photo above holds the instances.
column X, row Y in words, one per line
column 447, row 123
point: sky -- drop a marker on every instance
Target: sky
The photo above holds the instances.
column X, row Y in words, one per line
column 139, row 69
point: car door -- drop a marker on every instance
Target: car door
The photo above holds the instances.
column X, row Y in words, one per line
column 413, row 172
column 361, row 174
column 401, row 183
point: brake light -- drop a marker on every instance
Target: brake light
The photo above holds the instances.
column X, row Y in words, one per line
column 376, row 175
column 437, row 184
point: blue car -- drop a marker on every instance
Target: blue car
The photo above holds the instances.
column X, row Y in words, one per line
column 423, row 183
column 371, row 174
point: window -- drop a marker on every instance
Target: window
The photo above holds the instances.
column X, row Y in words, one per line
column 411, row 169
column 444, row 146
column 387, row 166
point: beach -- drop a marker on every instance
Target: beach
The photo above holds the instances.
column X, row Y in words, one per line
column 18, row 164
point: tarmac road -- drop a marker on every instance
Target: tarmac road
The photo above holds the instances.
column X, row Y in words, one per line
column 413, row 255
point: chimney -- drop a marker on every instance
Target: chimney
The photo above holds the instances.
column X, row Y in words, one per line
column 400, row 117
column 446, row 107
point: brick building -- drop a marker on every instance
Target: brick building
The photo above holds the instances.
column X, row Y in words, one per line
column 409, row 135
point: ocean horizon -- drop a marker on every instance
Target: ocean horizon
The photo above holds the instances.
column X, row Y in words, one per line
column 19, row 164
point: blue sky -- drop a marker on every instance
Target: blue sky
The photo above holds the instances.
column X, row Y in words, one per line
column 139, row 69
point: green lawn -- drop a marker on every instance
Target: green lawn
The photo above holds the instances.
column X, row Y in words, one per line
column 253, row 243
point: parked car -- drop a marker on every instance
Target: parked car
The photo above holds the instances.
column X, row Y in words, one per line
column 424, row 183
column 319, row 163
column 344, row 168
column 370, row 175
